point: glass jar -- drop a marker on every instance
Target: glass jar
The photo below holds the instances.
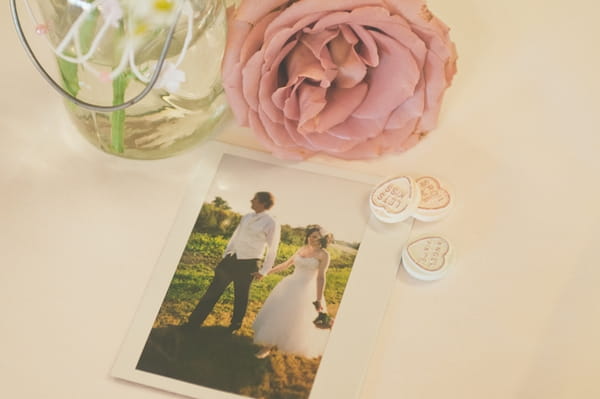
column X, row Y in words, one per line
column 109, row 51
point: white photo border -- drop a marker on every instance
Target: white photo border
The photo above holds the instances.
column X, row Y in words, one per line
column 369, row 287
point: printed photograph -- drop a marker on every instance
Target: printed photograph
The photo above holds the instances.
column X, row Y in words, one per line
column 254, row 298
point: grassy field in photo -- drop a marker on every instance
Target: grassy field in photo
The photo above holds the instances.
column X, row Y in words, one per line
column 212, row 356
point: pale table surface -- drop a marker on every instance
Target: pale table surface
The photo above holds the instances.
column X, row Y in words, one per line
column 518, row 141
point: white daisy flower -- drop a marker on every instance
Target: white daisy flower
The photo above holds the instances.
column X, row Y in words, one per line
column 154, row 12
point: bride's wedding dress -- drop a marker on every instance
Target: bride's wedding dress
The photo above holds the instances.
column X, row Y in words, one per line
column 286, row 318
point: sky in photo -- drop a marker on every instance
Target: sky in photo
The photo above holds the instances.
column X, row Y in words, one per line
column 301, row 198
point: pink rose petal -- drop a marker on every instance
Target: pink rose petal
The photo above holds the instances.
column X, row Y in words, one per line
column 393, row 57
column 268, row 84
column 253, row 39
column 358, row 127
column 331, row 144
column 251, row 80
column 382, row 143
column 285, row 99
column 301, row 12
column 276, row 131
column 351, row 69
column 253, row 11
column 434, row 90
column 301, row 63
column 317, row 43
column 409, row 110
column 311, row 101
column 341, row 102
column 300, row 140
column 368, row 50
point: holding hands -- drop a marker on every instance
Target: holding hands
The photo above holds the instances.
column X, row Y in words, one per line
column 257, row 276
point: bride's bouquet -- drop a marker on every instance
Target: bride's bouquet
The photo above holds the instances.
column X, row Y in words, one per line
column 323, row 320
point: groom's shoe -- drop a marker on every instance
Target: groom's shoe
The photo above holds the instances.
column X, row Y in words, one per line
column 233, row 327
column 263, row 353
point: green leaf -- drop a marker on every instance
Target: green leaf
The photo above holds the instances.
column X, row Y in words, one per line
column 117, row 118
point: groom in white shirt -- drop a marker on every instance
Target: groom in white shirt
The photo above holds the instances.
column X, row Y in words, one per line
column 257, row 232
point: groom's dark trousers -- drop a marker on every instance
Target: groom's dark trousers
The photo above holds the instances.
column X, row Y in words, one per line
column 230, row 269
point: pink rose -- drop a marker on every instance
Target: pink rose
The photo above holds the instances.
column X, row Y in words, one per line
column 350, row 78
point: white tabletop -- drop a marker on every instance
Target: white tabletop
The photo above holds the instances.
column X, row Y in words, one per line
column 517, row 317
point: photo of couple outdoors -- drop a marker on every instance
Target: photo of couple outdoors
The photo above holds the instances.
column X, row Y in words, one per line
column 252, row 302
column 284, row 320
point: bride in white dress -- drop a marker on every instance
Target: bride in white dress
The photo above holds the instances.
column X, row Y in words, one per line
column 286, row 318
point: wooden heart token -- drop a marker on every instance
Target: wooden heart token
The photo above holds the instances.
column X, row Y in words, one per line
column 435, row 200
column 427, row 258
column 395, row 199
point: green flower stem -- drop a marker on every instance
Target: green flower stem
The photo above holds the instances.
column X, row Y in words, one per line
column 117, row 118
column 68, row 73
column 69, row 70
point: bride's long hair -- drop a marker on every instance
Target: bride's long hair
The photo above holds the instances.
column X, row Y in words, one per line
column 326, row 238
